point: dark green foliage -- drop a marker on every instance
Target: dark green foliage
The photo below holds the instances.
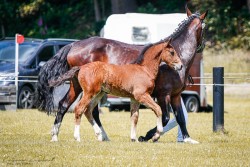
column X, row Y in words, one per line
column 228, row 21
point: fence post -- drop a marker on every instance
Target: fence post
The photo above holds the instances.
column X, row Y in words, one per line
column 218, row 99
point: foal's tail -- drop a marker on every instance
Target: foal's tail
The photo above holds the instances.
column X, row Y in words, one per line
column 65, row 77
column 51, row 70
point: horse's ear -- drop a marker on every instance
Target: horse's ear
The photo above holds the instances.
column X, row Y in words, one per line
column 168, row 42
column 203, row 16
column 189, row 13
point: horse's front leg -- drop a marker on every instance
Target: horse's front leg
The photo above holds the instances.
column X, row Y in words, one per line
column 164, row 102
column 177, row 109
column 134, row 110
column 147, row 100
column 177, row 106
column 63, row 107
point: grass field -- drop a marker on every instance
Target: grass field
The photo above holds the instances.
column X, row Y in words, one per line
column 25, row 134
column 25, row 140
column 233, row 61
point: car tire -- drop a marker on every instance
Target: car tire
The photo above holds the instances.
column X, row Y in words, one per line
column 26, row 98
column 113, row 108
column 192, row 104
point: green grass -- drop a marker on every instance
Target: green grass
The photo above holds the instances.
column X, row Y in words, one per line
column 25, row 134
column 25, row 140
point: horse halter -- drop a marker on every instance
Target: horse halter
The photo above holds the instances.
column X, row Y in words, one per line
column 201, row 46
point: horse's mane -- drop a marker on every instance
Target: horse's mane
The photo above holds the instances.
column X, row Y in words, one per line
column 181, row 27
column 141, row 55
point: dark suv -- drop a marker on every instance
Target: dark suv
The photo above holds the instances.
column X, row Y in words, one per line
column 33, row 53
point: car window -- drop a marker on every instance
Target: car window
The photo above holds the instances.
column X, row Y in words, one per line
column 60, row 46
column 7, row 51
column 46, row 53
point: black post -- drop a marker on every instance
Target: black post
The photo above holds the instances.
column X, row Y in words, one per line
column 218, row 99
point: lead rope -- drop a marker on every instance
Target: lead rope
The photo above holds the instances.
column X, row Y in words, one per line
column 190, row 79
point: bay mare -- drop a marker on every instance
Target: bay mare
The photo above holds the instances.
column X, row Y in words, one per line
column 135, row 81
column 186, row 39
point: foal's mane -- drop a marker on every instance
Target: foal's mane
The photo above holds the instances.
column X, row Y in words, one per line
column 181, row 27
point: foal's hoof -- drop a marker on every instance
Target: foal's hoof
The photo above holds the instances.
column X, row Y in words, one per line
column 156, row 137
column 142, row 139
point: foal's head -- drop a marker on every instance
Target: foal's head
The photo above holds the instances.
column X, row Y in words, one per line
column 170, row 56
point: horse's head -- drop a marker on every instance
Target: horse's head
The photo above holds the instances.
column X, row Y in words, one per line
column 198, row 25
column 170, row 56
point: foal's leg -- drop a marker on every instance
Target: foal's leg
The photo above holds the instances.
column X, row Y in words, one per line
column 147, row 100
column 80, row 108
column 164, row 102
column 64, row 105
column 134, row 109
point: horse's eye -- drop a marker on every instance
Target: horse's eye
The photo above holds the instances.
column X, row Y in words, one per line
column 172, row 53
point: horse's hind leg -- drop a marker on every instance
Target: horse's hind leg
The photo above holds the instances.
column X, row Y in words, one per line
column 134, row 109
column 64, row 105
column 99, row 131
column 96, row 114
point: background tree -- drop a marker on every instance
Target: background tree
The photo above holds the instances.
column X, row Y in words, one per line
column 123, row 6
column 228, row 22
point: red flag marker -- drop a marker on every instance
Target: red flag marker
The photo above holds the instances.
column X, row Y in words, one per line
column 19, row 38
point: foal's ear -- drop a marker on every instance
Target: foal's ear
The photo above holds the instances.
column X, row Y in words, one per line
column 189, row 13
column 203, row 16
column 169, row 42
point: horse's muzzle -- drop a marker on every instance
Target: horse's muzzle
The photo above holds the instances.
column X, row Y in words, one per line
column 177, row 66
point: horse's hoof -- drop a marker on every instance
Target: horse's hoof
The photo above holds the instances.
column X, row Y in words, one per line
column 77, row 138
column 100, row 137
column 106, row 139
column 156, row 137
column 54, row 138
column 134, row 140
column 142, row 139
column 155, row 140
column 191, row 141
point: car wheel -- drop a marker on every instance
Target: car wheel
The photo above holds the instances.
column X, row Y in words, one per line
column 113, row 108
column 25, row 98
column 192, row 104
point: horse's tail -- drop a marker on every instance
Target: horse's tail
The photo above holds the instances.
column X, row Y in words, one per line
column 52, row 69
column 65, row 77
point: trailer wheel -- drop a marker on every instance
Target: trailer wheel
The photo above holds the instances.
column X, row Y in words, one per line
column 192, row 104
